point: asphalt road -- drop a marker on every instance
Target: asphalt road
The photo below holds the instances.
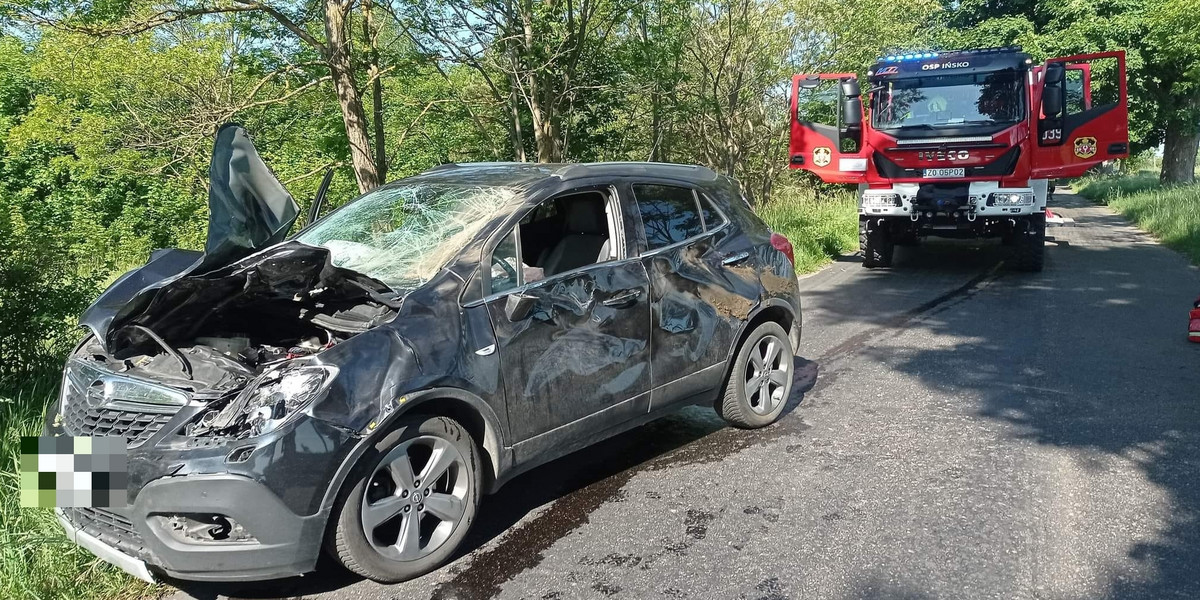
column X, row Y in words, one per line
column 958, row 430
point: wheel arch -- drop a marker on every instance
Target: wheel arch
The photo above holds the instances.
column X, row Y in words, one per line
column 771, row 309
column 470, row 411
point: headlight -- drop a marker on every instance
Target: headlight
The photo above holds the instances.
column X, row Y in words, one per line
column 880, row 200
column 1010, row 199
column 268, row 402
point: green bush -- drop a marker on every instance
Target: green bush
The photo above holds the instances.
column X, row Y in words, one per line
column 821, row 223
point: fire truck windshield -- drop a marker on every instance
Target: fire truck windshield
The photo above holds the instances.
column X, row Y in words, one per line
column 949, row 101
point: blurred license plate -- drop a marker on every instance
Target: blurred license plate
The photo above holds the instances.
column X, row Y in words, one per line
column 960, row 172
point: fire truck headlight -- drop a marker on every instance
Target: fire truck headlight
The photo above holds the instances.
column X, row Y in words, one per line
column 1010, row 199
column 880, row 200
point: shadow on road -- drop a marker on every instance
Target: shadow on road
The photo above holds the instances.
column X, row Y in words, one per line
column 564, row 492
column 1089, row 356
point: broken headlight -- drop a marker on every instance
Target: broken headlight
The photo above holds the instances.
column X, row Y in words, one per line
column 268, row 402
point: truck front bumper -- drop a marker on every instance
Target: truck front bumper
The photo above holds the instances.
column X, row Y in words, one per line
column 140, row 540
column 900, row 200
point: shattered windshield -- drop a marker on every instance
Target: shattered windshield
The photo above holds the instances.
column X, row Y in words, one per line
column 403, row 234
column 980, row 99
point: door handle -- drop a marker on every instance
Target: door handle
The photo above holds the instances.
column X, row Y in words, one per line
column 623, row 299
column 735, row 258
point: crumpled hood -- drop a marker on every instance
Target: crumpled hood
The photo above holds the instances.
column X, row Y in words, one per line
column 248, row 210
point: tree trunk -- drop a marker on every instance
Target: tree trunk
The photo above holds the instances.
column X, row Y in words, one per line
column 376, row 74
column 1179, row 153
column 337, row 56
column 514, row 126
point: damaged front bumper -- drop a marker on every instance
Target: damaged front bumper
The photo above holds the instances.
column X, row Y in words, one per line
column 146, row 540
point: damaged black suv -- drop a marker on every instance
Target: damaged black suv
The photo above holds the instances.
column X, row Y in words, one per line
column 359, row 386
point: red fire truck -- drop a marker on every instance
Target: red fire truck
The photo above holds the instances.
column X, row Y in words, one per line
column 960, row 144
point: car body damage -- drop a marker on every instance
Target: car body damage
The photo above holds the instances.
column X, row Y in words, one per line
column 258, row 383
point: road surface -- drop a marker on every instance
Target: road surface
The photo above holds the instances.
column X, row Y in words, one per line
column 958, row 430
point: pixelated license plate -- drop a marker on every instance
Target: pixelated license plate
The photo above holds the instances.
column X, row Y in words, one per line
column 74, row 472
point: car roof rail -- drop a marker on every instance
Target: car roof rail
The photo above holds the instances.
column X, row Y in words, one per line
column 571, row 171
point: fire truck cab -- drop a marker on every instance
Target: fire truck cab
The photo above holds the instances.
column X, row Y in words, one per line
column 959, row 144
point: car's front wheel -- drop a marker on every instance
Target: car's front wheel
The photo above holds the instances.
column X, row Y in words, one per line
column 760, row 380
column 414, row 496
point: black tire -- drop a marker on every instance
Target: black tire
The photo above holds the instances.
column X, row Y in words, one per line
column 876, row 243
column 1031, row 244
column 348, row 541
column 735, row 405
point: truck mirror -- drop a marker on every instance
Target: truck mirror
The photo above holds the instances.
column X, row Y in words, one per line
column 1053, row 91
column 852, row 112
column 810, row 82
column 850, row 88
column 1055, row 73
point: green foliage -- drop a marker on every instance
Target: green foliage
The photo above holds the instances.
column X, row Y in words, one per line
column 1169, row 213
column 821, row 224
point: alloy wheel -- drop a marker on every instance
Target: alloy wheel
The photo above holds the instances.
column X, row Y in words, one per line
column 415, row 498
column 767, row 374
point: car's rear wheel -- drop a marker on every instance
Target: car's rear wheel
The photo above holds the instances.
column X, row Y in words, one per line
column 761, row 379
column 414, row 496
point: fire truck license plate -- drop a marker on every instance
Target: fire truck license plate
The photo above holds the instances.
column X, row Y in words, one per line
column 960, row 172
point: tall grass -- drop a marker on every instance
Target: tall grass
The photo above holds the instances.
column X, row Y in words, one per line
column 1171, row 214
column 821, row 224
column 36, row 560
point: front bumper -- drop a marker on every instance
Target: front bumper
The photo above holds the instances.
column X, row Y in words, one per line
column 284, row 544
column 975, row 202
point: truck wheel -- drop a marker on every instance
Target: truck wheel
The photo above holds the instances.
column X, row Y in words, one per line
column 877, row 246
column 1031, row 244
column 760, row 380
column 410, row 503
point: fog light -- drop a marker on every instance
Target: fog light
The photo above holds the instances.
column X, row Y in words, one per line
column 193, row 528
column 880, row 200
column 1010, row 199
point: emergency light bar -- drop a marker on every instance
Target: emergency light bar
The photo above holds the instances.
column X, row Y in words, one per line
column 927, row 55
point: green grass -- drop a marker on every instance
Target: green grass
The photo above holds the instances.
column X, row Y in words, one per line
column 1171, row 214
column 36, row 560
column 821, row 224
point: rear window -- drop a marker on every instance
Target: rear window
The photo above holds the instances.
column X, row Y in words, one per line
column 669, row 214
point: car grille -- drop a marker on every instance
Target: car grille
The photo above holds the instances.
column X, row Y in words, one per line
column 98, row 403
column 136, row 427
column 110, row 528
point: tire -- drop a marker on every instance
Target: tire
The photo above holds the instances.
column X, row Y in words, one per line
column 766, row 403
column 1031, row 244
column 877, row 245
column 454, row 491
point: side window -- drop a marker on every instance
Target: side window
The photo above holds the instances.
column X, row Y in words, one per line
column 712, row 218
column 669, row 214
column 505, row 271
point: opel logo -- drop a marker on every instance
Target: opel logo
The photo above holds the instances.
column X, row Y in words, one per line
column 97, row 394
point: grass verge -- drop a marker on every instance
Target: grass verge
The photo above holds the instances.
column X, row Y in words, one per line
column 36, row 560
column 820, row 224
column 1170, row 213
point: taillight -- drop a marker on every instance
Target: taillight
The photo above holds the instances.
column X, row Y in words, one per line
column 782, row 244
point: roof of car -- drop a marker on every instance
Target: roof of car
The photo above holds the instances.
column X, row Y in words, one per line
column 520, row 174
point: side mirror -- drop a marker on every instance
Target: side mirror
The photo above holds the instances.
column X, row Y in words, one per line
column 518, row 306
column 852, row 113
column 1053, row 90
column 850, row 88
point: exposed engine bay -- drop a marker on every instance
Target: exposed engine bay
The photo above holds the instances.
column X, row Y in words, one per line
column 235, row 336
column 236, row 325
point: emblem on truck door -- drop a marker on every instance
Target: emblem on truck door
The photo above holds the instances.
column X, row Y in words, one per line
column 822, row 156
column 1085, row 147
